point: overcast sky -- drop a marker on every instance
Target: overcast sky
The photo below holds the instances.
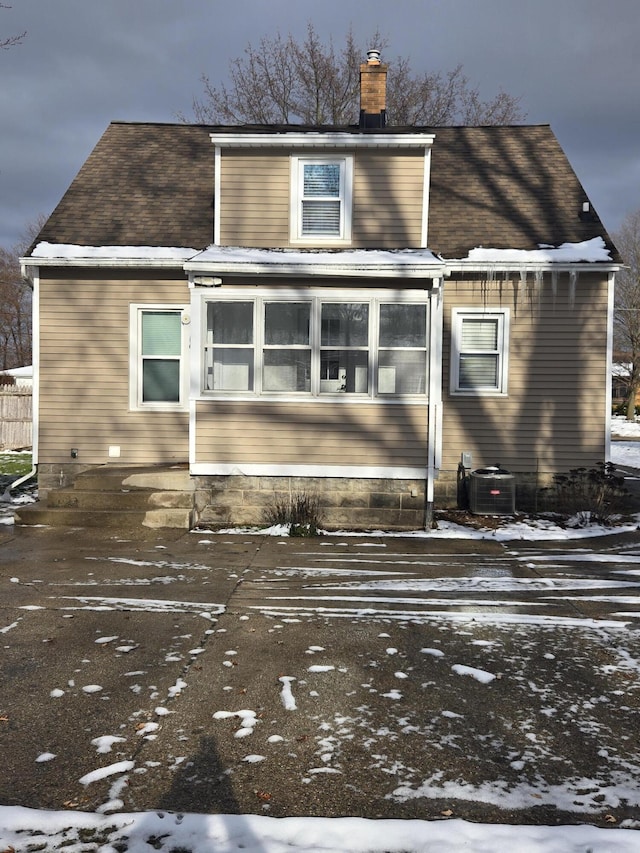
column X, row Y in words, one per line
column 574, row 63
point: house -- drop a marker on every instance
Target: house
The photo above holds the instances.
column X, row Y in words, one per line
column 620, row 379
column 20, row 376
column 355, row 312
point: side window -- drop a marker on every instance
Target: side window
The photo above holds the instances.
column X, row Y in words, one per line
column 158, row 364
column 321, row 191
column 479, row 351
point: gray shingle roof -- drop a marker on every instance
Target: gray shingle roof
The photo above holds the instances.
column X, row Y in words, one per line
column 142, row 185
column 499, row 187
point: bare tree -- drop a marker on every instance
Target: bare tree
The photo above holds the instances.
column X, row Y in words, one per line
column 15, row 301
column 10, row 41
column 627, row 306
column 284, row 81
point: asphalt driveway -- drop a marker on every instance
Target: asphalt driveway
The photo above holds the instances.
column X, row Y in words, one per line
column 379, row 677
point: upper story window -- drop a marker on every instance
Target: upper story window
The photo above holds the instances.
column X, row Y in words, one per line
column 479, row 351
column 321, row 198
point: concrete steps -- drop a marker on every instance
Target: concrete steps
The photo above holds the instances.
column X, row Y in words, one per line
column 112, row 498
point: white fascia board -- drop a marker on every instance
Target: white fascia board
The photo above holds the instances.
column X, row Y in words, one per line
column 315, row 139
column 47, row 254
column 314, row 270
column 111, row 263
column 521, row 267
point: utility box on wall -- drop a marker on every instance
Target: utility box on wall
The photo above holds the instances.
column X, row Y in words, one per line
column 492, row 491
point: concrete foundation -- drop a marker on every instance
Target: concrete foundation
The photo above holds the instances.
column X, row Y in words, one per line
column 350, row 503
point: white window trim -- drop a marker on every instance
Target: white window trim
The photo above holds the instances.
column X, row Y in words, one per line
column 296, row 236
column 260, row 296
column 457, row 317
column 135, row 359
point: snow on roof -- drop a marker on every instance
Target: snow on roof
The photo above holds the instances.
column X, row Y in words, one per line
column 621, row 369
column 588, row 251
column 19, row 371
column 68, row 251
column 342, row 257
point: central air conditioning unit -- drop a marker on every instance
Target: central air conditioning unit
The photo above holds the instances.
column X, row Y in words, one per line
column 492, row 491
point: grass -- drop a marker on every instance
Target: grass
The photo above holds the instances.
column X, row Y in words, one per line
column 15, row 464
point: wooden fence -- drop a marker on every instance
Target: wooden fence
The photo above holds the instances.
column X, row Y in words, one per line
column 16, row 413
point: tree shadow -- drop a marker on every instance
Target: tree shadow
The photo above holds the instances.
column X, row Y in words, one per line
column 493, row 186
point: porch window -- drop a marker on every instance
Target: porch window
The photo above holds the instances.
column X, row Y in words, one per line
column 344, row 347
column 479, row 351
column 157, row 358
column 321, row 199
column 402, row 351
column 316, row 346
column 286, row 359
column 229, row 350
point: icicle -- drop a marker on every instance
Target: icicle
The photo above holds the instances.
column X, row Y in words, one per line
column 573, row 278
column 554, row 285
column 526, row 287
column 536, row 290
column 538, row 287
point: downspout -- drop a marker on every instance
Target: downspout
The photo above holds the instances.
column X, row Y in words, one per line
column 434, row 406
column 609, row 374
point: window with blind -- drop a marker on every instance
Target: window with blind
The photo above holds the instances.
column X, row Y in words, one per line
column 158, row 378
column 321, row 199
column 479, row 351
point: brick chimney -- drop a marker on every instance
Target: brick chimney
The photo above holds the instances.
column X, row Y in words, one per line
column 373, row 91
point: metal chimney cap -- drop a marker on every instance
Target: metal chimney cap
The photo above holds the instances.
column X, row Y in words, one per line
column 373, row 56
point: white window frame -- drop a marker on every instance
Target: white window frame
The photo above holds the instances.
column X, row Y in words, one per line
column 136, row 359
column 316, row 298
column 296, row 236
column 458, row 316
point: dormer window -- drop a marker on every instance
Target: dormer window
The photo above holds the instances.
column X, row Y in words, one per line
column 321, row 191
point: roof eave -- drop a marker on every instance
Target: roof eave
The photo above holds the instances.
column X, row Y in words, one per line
column 356, row 270
column 313, row 139
column 488, row 268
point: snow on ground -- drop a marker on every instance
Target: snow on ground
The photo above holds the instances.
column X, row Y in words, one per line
column 77, row 832
column 165, row 831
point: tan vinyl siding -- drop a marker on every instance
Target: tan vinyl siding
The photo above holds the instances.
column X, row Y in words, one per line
column 552, row 417
column 254, row 190
column 311, row 434
column 387, row 198
column 84, row 374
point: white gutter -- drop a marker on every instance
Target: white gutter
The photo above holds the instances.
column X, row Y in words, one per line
column 111, row 263
column 315, row 269
column 521, row 267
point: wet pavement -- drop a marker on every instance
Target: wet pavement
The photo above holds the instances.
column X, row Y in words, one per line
column 379, row 677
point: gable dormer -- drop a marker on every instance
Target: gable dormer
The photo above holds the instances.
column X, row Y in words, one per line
column 285, row 187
